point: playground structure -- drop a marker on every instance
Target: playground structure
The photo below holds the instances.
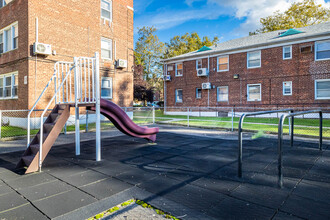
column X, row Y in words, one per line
column 83, row 92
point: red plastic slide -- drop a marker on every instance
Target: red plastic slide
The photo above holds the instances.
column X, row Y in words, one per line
column 123, row 123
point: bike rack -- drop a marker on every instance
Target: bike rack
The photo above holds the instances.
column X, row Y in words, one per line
column 240, row 133
column 280, row 138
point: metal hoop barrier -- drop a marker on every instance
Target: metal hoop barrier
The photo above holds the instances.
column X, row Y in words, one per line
column 280, row 138
column 240, row 133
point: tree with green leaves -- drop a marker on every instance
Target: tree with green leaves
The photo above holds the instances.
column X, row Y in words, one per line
column 187, row 43
column 148, row 52
column 300, row 14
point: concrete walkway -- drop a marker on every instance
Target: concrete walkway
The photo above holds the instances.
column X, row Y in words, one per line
column 189, row 176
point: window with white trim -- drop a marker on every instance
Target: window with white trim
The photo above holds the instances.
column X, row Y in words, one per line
column 9, row 85
column 170, row 68
column 287, row 88
column 222, row 94
column 179, row 69
column 4, row 2
column 322, row 89
column 254, row 92
column 198, row 64
column 178, row 95
column 223, row 63
column 322, row 50
column 287, row 52
column 106, row 10
column 9, row 38
column 254, row 59
column 198, row 93
column 106, row 87
column 106, row 48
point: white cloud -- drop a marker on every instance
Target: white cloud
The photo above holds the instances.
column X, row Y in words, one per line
column 191, row 2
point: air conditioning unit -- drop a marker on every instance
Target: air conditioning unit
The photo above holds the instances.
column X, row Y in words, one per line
column 43, row 49
column 206, row 85
column 202, row 72
column 120, row 64
column 167, row 78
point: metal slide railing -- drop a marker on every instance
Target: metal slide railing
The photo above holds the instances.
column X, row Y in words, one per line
column 240, row 133
column 280, row 137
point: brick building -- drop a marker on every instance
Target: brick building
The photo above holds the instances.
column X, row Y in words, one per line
column 276, row 69
column 73, row 29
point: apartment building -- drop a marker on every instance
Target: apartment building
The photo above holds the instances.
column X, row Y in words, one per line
column 276, row 69
column 61, row 30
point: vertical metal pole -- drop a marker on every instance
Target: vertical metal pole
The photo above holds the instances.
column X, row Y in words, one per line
column 280, row 143
column 153, row 114
column 41, row 138
column 65, row 128
column 240, row 146
column 321, row 130
column 86, row 121
column 98, row 107
column 188, row 117
column 76, row 94
column 232, row 119
column 292, row 130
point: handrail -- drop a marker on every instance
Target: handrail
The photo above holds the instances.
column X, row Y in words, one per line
column 35, row 104
column 240, row 133
column 42, row 115
column 280, row 138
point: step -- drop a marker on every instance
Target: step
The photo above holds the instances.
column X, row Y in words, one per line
column 62, row 107
column 60, row 111
column 49, row 126
column 53, row 116
column 44, row 136
column 28, row 159
column 34, row 148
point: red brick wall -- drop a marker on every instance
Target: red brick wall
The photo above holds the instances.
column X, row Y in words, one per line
column 73, row 28
column 302, row 70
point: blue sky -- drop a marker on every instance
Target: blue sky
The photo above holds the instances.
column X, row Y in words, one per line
column 226, row 19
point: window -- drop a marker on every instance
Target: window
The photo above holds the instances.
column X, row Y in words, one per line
column 222, row 94
column 179, row 69
column 322, row 89
column 322, row 50
column 106, row 87
column 254, row 92
column 178, row 95
column 198, row 93
column 287, row 88
column 223, row 63
column 287, row 52
column 106, row 10
column 4, row 2
column 199, row 64
column 9, row 38
column 8, row 85
column 254, row 59
column 106, row 48
column 170, row 68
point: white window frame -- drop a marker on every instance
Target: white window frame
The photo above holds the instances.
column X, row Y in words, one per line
column 11, row 75
column 8, row 45
column 248, row 95
column 4, row 3
column 176, row 96
column 197, row 93
column 315, row 53
column 287, row 58
column 197, row 64
column 110, row 88
column 170, row 68
column 315, row 89
column 111, row 10
column 248, row 56
column 111, row 51
column 176, row 69
column 218, row 99
column 218, row 70
column 290, row 82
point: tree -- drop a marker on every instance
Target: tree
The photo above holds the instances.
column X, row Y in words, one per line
column 141, row 93
column 187, row 43
column 148, row 52
column 300, row 14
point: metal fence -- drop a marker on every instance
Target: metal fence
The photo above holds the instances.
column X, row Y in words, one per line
column 14, row 122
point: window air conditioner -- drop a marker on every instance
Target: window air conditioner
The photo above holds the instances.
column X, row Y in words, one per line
column 206, row 85
column 43, row 49
column 202, row 72
column 120, row 64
